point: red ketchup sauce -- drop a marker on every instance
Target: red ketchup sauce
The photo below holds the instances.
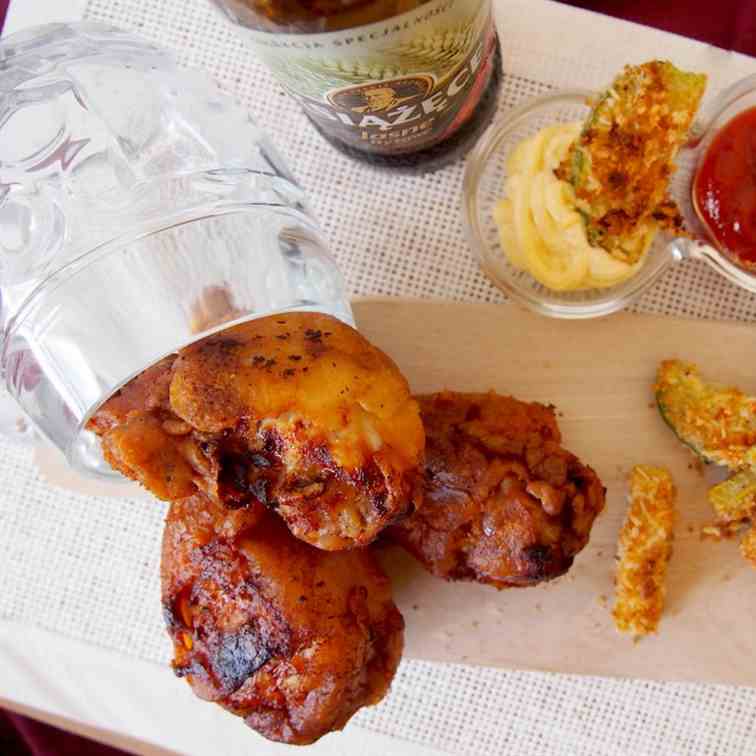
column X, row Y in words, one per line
column 724, row 189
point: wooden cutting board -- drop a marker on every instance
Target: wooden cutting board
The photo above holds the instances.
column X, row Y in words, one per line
column 599, row 375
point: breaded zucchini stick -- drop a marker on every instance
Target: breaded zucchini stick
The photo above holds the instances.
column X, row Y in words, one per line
column 717, row 422
column 622, row 162
column 645, row 546
column 734, row 500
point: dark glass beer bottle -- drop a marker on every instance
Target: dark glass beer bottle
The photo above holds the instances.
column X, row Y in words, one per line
column 405, row 83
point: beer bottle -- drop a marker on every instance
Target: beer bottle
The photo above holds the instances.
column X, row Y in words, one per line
column 403, row 83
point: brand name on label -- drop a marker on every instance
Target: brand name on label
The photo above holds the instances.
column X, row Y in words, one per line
column 381, row 105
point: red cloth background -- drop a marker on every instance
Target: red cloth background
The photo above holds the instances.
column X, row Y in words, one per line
column 730, row 24
column 21, row 736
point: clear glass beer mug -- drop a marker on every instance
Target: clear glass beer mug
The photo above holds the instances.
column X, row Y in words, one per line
column 140, row 210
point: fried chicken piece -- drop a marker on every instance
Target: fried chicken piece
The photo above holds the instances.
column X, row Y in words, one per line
column 503, row 503
column 143, row 439
column 645, row 547
column 295, row 411
column 291, row 638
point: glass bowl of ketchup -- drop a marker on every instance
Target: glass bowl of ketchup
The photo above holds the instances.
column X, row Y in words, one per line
column 723, row 189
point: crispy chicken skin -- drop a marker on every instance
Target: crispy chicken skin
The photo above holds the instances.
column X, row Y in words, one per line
column 291, row 638
column 504, row 504
column 295, row 411
column 143, row 439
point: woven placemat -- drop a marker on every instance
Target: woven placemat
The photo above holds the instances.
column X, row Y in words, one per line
column 402, row 235
column 88, row 567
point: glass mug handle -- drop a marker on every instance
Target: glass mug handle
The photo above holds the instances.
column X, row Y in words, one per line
column 14, row 423
column 701, row 133
column 682, row 249
column 702, row 126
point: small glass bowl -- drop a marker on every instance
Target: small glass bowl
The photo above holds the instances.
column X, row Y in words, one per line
column 484, row 181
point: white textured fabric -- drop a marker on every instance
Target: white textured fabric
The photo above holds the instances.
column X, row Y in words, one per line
column 402, row 235
column 88, row 568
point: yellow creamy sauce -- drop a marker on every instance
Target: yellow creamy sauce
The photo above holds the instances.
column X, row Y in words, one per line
column 541, row 230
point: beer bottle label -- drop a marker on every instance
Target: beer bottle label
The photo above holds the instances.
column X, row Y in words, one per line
column 399, row 85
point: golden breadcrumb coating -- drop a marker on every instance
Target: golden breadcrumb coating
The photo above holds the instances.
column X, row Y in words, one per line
column 721, row 531
column 621, row 165
column 734, row 499
column 645, row 546
column 717, row 422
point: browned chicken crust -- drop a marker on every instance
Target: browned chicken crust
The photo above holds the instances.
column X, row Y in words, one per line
column 503, row 504
column 296, row 411
column 291, row 638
